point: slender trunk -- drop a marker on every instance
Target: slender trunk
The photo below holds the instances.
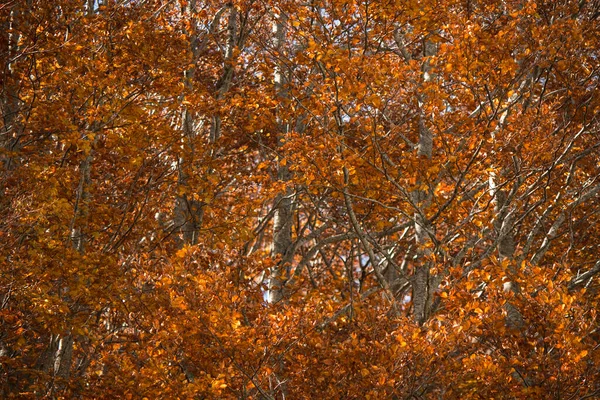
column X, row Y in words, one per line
column 503, row 225
column 58, row 357
column 80, row 210
column 225, row 81
column 423, row 283
column 189, row 212
column 60, row 349
column 284, row 204
column 10, row 134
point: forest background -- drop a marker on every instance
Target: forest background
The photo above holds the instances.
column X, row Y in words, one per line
column 278, row 199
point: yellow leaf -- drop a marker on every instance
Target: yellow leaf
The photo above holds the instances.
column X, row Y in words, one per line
column 181, row 253
column 179, row 302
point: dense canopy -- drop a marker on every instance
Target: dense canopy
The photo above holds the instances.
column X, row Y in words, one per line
column 345, row 199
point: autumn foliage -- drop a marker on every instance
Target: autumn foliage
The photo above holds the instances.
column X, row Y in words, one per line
column 300, row 200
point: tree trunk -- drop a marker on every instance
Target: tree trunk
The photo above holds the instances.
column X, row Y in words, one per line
column 284, row 204
column 10, row 105
column 504, row 226
column 423, row 283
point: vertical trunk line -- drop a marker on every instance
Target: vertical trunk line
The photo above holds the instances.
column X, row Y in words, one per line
column 62, row 345
column 282, row 218
column 11, row 134
column 422, row 280
column 225, row 81
column 60, row 348
column 503, row 225
column 189, row 212
column 283, row 203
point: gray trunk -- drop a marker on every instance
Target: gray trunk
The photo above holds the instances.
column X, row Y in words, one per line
column 284, row 204
column 225, row 81
column 503, row 226
column 423, row 282
column 189, row 213
column 10, row 104
column 59, row 355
